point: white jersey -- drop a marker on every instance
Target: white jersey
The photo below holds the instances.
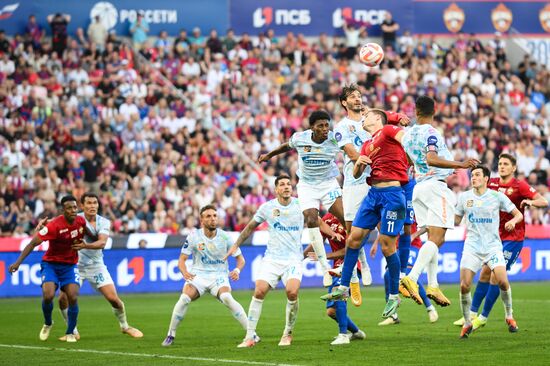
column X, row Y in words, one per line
column 348, row 131
column 208, row 253
column 483, row 218
column 417, row 142
column 316, row 162
column 91, row 257
column 286, row 224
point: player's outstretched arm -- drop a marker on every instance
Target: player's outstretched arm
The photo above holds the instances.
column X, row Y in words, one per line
column 25, row 253
column 280, row 150
column 96, row 245
column 434, row 160
column 235, row 273
column 518, row 217
column 538, row 201
column 328, row 232
column 245, row 234
column 183, row 267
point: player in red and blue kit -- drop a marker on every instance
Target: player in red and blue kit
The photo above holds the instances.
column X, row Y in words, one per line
column 384, row 204
column 337, row 309
column 59, row 264
column 521, row 194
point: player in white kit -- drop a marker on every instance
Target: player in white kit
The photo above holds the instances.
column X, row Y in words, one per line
column 433, row 202
column 282, row 260
column 481, row 207
column 209, row 272
column 317, row 150
column 92, row 268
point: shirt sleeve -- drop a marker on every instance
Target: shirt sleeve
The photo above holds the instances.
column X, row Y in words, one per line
column 187, row 247
column 526, row 190
column 391, row 131
column 460, row 206
column 505, row 203
column 433, row 140
column 342, row 135
column 392, row 117
column 48, row 232
column 260, row 215
column 105, row 228
column 292, row 141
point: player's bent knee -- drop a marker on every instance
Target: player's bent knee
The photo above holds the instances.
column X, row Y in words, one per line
column 331, row 313
column 226, row 298
column 292, row 295
column 464, row 287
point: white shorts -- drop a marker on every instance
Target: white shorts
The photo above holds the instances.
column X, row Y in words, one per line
column 272, row 271
column 434, row 204
column 210, row 283
column 352, row 198
column 474, row 261
column 313, row 195
column 97, row 276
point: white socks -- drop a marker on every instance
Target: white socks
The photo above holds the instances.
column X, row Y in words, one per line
column 236, row 309
column 363, row 260
column 65, row 315
column 425, row 255
column 121, row 316
column 291, row 315
column 254, row 313
column 506, row 297
column 178, row 313
column 465, row 303
column 316, row 240
column 432, row 270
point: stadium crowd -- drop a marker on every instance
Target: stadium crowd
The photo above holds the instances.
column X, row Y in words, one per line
column 85, row 112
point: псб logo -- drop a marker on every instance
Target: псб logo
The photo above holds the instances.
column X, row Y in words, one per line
column 267, row 15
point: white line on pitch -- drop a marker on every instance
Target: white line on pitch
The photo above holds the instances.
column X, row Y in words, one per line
column 189, row 358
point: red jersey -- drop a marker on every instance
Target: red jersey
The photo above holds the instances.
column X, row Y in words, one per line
column 516, row 190
column 338, row 228
column 417, row 243
column 61, row 236
column 389, row 160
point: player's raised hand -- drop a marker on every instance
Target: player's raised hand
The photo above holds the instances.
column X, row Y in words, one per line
column 234, row 274
column 263, row 158
column 230, row 252
column 470, row 163
column 510, row 225
column 13, row 268
column 526, row 203
column 188, row 276
column 362, row 159
column 404, row 120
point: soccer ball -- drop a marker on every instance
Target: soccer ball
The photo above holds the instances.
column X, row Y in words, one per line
column 371, row 54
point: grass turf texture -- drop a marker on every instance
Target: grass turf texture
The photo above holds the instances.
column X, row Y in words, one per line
column 209, row 331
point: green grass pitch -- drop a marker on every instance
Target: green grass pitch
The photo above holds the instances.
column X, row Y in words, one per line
column 209, row 334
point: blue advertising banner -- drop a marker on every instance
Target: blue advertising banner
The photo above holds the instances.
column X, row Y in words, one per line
column 156, row 270
column 117, row 15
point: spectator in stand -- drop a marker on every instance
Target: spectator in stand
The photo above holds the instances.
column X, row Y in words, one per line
column 352, row 30
column 58, row 24
column 35, row 31
column 389, row 31
column 139, row 29
column 97, row 33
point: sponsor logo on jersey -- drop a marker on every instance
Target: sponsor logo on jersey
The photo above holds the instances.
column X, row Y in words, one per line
column 280, row 227
column 479, row 220
column 315, row 162
column 206, row 260
column 63, row 231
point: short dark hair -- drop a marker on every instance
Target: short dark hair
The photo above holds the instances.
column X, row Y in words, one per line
column 89, row 195
column 206, row 208
column 318, row 115
column 425, row 106
column 510, row 157
column 486, row 171
column 346, row 92
column 381, row 113
column 68, row 198
column 280, row 178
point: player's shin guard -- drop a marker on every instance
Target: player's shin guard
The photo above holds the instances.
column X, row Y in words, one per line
column 291, row 315
column 350, row 260
column 254, row 313
column 73, row 317
column 178, row 313
column 394, row 268
column 120, row 314
column 404, row 251
column 47, row 309
column 236, row 309
column 425, row 255
column 480, row 293
column 507, row 300
column 316, row 240
column 465, row 303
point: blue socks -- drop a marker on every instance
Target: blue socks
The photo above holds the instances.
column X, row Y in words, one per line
column 481, row 291
column 72, row 313
column 350, row 260
column 387, row 284
column 47, row 309
column 394, row 268
column 404, row 250
column 344, row 322
column 492, row 297
column 422, row 293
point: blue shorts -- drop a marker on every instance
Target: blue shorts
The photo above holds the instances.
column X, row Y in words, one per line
column 385, row 205
column 335, row 283
column 511, row 250
column 59, row 273
column 408, row 191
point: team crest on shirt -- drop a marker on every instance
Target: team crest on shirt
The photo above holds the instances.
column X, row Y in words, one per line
column 276, row 212
column 307, row 148
column 352, row 129
column 201, row 246
column 470, row 203
column 81, row 230
column 371, row 147
column 74, row 234
column 510, row 191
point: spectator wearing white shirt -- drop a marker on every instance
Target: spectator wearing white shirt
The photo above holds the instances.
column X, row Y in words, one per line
column 128, row 108
column 191, row 68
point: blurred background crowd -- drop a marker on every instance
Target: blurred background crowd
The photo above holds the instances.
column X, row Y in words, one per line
column 160, row 126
